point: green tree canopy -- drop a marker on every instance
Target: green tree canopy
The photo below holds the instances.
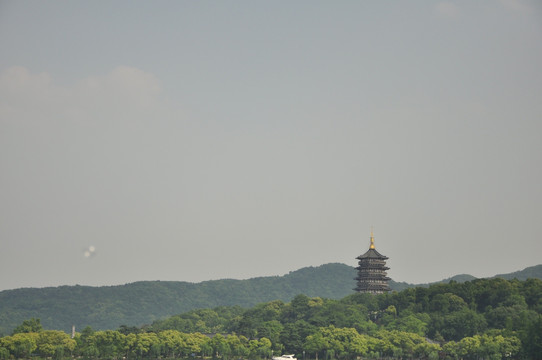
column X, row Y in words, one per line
column 29, row 326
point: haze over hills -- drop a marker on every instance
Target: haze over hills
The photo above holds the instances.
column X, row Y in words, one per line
column 139, row 303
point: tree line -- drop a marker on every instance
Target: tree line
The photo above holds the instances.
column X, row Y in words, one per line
column 481, row 319
column 108, row 307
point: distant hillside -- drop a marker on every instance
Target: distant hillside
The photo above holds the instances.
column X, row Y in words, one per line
column 530, row 272
column 460, row 278
column 457, row 278
column 135, row 304
column 108, row 307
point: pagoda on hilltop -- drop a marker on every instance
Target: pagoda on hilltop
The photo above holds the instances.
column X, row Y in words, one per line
column 372, row 268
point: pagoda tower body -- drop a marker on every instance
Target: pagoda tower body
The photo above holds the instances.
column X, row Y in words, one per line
column 372, row 268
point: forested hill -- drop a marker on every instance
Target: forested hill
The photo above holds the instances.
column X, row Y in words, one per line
column 530, row 272
column 108, row 307
column 135, row 304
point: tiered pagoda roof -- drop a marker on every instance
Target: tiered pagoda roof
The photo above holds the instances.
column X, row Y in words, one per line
column 372, row 271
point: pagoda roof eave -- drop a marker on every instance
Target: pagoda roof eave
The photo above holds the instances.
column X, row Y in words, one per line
column 372, row 254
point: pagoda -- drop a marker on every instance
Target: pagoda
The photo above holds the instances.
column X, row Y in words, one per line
column 372, row 268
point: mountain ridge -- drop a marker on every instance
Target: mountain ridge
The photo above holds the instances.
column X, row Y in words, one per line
column 142, row 302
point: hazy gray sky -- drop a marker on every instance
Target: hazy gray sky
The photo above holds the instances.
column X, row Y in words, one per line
column 198, row 140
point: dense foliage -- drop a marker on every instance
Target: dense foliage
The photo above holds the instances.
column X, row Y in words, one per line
column 108, row 307
column 139, row 303
column 489, row 319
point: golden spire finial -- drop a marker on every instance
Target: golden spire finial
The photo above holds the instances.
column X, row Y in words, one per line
column 372, row 239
